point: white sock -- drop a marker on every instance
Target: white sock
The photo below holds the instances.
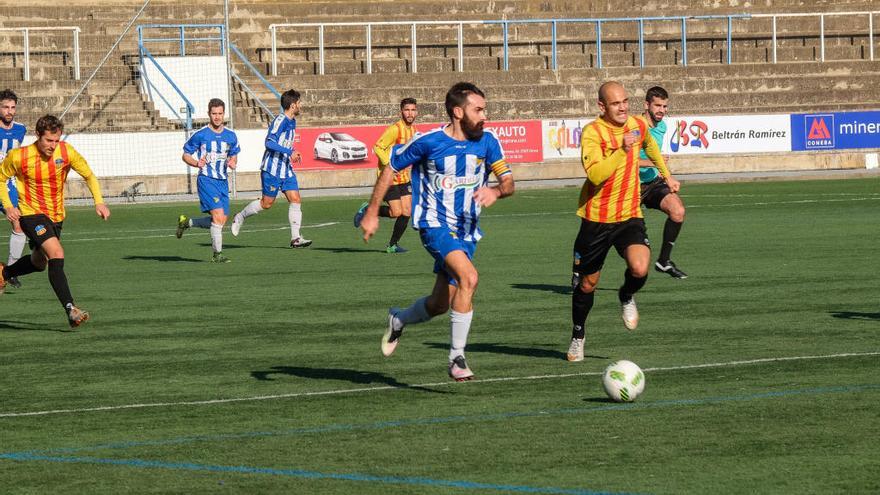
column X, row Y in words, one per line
column 251, row 209
column 295, row 216
column 461, row 325
column 417, row 313
column 201, row 222
column 16, row 246
column 217, row 237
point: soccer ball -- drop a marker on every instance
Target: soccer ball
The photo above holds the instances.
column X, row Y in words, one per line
column 623, row 381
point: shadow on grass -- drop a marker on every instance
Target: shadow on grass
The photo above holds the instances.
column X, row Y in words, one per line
column 556, row 289
column 353, row 376
column 347, row 250
column 164, row 259
column 855, row 315
column 600, row 400
column 513, row 351
column 23, row 325
column 225, row 245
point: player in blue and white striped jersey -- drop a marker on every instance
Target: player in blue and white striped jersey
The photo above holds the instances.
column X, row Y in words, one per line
column 11, row 136
column 450, row 175
column 277, row 171
column 212, row 149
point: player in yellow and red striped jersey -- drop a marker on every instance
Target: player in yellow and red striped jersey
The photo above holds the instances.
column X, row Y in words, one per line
column 610, row 210
column 40, row 171
column 399, row 196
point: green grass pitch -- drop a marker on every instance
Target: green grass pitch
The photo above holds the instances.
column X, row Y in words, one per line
column 264, row 375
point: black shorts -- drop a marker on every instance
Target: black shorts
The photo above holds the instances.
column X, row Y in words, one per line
column 38, row 228
column 397, row 191
column 595, row 239
column 653, row 192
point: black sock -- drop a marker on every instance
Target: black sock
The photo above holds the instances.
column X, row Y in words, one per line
column 581, row 304
column 630, row 286
column 385, row 211
column 23, row 266
column 399, row 229
column 670, row 234
column 59, row 282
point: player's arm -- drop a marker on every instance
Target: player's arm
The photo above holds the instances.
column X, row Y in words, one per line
column 7, row 171
column 272, row 136
column 656, row 158
column 189, row 149
column 486, row 196
column 232, row 155
column 597, row 166
column 382, row 148
column 401, row 157
column 79, row 164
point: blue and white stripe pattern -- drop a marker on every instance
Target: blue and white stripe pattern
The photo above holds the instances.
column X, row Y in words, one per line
column 9, row 140
column 217, row 148
column 279, row 147
column 445, row 174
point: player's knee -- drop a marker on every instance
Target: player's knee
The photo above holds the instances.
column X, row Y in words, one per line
column 586, row 284
column 266, row 203
column 219, row 219
column 639, row 269
column 395, row 211
column 676, row 214
column 469, row 281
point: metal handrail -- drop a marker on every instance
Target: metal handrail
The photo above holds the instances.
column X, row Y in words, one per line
column 25, row 31
column 190, row 108
column 234, row 49
column 181, row 36
column 598, row 21
column 822, row 16
column 273, row 28
column 554, row 23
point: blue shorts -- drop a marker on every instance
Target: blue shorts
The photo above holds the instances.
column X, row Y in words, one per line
column 272, row 184
column 213, row 194
column 441, row 241
column 13, row 194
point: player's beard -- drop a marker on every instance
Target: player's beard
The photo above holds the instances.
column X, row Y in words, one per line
column 654, row 118
column 7, row 119
column 472, row 130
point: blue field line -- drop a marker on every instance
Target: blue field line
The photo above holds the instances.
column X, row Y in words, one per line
column 299, row 473
column 381, row 425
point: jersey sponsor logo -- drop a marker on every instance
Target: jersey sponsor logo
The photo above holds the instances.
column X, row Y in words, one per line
column 448, row 183
column 818, row 129
column 59, row 161
column 40, row 229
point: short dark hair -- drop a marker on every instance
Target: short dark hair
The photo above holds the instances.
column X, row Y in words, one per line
column 214, row 103
column 8, row 94
column 407, row 101
column 49, row 123
column 458, row 94
column 656, row 92
column 288, row 98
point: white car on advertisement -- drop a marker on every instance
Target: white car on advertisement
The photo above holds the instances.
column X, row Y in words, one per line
column 339, row 147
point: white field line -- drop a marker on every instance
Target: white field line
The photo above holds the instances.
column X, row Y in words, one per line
column 68, row 238
column 424, row 385
column 71, row 236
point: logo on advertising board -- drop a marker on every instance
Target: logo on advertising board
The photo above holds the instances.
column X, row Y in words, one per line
column 819, row 131
column 694, row 134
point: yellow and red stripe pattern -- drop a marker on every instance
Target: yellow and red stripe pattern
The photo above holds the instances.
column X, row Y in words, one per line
column 40, row 182
column 612, row 192
column 397, row 133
